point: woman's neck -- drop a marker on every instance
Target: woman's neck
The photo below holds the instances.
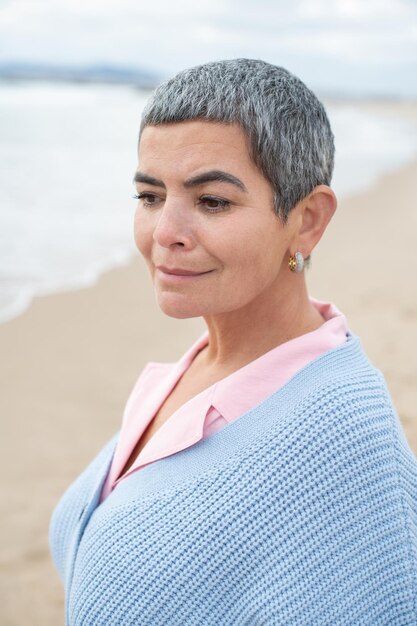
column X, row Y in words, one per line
column 238, row 337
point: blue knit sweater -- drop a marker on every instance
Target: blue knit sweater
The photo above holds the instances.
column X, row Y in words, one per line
column 301, row 512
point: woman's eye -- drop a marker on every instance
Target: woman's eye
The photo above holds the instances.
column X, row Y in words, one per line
column 213, row 205
column 148, row 199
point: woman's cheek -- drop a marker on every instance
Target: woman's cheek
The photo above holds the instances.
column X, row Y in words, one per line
column 142, row 234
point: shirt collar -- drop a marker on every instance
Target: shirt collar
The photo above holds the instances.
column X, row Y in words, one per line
column 242, row 390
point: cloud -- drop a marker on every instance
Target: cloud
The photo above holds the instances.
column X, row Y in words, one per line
column 165, row 36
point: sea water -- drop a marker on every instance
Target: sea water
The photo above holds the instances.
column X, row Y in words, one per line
column 67, row 158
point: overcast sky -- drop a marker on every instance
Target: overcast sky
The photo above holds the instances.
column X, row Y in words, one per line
column 335, row 45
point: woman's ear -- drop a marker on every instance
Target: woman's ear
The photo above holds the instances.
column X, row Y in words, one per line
column 316, row 211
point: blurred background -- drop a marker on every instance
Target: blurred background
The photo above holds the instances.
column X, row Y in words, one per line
column 77, row 315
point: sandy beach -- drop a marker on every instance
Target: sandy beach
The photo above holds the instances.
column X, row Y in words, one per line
column 68, row 363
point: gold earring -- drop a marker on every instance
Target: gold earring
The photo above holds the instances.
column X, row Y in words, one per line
column 296, row 262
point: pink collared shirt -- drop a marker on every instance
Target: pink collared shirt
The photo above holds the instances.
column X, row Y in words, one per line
column 218, row 405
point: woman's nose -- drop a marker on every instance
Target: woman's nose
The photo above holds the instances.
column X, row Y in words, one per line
column 174, row 226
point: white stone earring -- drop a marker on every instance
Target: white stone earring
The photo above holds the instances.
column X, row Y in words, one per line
column 296, row 262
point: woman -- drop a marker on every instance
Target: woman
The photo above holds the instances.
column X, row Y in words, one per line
column 265, row 478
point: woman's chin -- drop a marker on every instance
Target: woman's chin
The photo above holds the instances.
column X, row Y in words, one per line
column 179, row 307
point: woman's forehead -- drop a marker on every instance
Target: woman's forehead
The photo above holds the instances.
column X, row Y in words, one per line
column 195, row 144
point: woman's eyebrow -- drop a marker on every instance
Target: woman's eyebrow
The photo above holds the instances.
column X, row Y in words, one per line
column 199, row 179
column 215, row 176
column 148, row 180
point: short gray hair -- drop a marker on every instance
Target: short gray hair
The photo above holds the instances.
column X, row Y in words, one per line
column 288, row 132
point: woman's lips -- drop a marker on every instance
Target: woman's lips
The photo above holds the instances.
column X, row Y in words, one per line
column 178, row 274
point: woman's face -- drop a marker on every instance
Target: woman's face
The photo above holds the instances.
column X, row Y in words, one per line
column 204, row 220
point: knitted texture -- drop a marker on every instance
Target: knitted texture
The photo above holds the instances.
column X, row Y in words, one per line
column 301, row 512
